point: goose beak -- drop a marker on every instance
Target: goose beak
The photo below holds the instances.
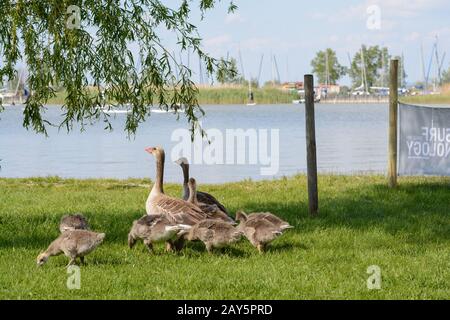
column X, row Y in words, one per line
column 150, row 150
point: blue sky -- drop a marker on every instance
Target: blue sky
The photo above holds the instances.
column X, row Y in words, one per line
column 294, row 30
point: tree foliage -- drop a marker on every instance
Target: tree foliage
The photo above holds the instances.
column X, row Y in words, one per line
column 58, row 50
column 372, row 65
column 446, row 76
column 327, row 61
column 401, row 72
column 227, row 71
column 376, row 67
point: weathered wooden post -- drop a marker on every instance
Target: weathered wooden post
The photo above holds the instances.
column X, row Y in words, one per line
column 311, row 156
column 393, row 117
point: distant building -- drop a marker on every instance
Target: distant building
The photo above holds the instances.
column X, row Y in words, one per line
column 292, row 86
column 329, row 89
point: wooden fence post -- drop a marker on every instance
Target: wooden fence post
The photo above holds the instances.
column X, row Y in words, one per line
column 311, row 156
column 393, row 123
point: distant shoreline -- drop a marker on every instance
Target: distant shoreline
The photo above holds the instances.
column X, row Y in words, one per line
column 276, row 96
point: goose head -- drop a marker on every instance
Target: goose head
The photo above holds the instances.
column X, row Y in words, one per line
column 157, row 152
column 192, row 184
column 241, row 216
column 41, row 259
column 182, row 162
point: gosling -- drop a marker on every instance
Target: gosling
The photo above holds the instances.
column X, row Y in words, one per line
column 74, row 244
column 154, row 228
column 270, row 217
column 214, row 234
column 212, row 210
column 260, row 232
column 73, row 222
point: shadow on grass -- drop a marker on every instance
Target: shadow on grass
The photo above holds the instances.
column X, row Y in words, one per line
column 282, row 247
column 421, row 211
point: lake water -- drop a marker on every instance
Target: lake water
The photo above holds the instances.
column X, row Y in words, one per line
column 350, row 139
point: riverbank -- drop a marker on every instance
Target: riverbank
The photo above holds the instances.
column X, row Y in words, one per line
column 226, row 95
column 428, row 99
column 404, row 231
column 238, row 96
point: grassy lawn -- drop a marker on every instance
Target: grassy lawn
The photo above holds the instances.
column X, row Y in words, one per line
column 406, row 232
column 225, row 95
column 443, row 98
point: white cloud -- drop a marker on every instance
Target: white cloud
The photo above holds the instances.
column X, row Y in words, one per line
column 234, row 18
column 218, row 41
column 413, row 36
column 390, row 9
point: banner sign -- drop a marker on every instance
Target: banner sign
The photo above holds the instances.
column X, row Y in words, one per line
column 424, row 140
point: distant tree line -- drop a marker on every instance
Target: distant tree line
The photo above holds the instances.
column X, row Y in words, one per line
column 369, row 67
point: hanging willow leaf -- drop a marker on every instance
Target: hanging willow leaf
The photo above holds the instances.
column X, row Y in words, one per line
column 87, row 53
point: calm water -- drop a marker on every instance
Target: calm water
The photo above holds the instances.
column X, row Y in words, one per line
column 350, row 139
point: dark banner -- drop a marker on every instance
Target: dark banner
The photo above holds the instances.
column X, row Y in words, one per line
column 424, row 140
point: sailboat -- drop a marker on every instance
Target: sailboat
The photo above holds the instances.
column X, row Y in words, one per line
column 362, row 89
column 251, row 97
column 11, row 94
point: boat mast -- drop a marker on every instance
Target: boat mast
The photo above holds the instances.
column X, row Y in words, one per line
column 327, row 72
column 271, row 69
column 276, row 68
column 363, row 65
column 438, row 65
column 260, row 67
column 287, row 69
column 200, row 70
column 242, row 65
column 402, row 70
column 423, row 68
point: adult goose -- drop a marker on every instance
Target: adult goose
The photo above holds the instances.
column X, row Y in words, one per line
column 178, row 211
column 202, row 197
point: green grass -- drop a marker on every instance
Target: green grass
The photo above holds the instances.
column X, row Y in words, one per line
column 406, row 232
column 443, row 98
column 240, row 96
column 226, row 95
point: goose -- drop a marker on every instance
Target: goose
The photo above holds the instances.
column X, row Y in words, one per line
column 270, row 217
column 74, row 244
column 202, row 197
column 211, row 209
column 73, row 222
column 214, row 234
column 260, row 232
column 154, row 228
column 178, row 211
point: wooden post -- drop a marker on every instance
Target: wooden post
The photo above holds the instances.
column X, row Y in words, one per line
column 313, row 198
column 393, row 121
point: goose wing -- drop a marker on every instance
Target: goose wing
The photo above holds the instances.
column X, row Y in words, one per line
column 214, row 212
column 270, row 217
column 207, row 198
column 179, row 211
